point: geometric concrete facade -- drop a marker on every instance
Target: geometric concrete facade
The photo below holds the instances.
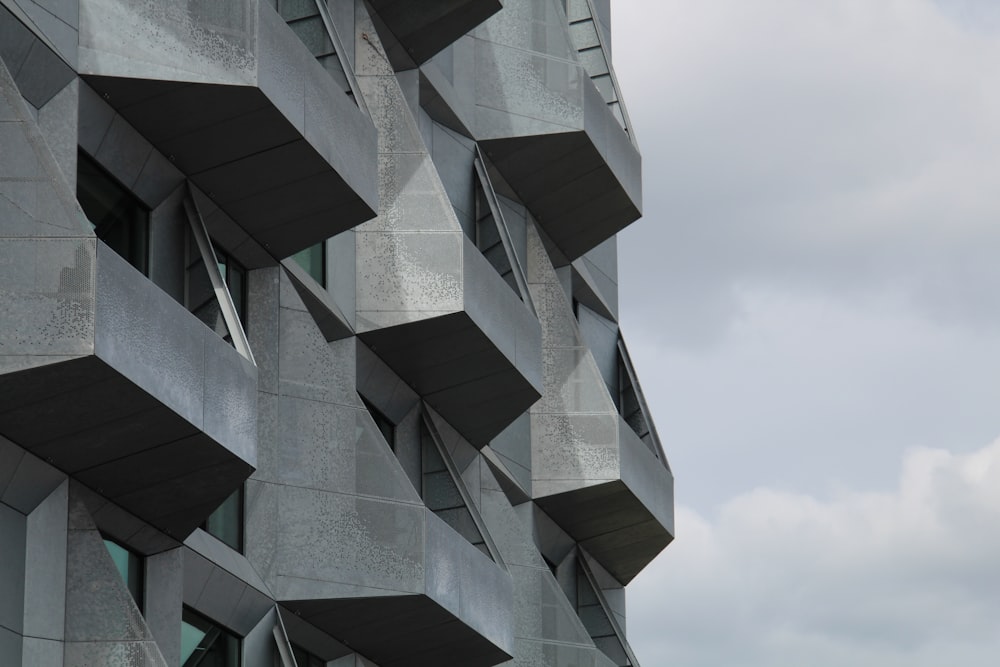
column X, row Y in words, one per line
column 309, row 350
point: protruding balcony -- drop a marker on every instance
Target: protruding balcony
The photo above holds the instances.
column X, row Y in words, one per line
column 478, row 363
column 591, row 473
column 544, row 125
column 623, row 517
column 428, row 302
column 121, row 387
column 459, row 611
column 229, row 93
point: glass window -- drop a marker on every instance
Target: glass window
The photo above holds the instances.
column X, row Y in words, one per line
column 304, row 658
column 205, row 644
column 118, row 217
column 226, row 522
column 200, row 294
column 387, row 428
column 313, row 260
column 129, row 566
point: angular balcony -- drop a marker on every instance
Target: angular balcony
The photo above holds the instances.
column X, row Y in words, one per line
column 478, row 362
column 428, row 302
column 547, row 129
column 611, row 491
column 232, row 96
column 620, row 512
column 119, row 386
column 458, row 609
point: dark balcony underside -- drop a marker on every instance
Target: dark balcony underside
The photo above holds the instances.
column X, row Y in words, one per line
column 88, row 420
column 394, row 631
column 567, row 185
column 611, row 524
column 238, row 147
column 419, row 30
column 459, row 371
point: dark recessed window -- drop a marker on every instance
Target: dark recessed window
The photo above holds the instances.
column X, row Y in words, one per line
column 235, row 276
column 313, row 260
column 200, row 295
column 304, row 658
column 118, row 217
column 205, row 644
column 386, row 427
column 129, row 566
column 226, row 522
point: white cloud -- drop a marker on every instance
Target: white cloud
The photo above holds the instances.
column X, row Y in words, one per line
column 776, row 579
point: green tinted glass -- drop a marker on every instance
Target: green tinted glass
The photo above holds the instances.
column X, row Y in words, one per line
column 313, row 260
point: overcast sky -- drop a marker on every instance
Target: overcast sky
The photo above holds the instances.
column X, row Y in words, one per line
column 813, row 304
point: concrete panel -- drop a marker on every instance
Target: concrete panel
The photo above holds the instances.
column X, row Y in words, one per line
column 98, row 605
column 163, row 600
column 342, row 274
column 46, row 652
column 10, row 647
column 119, row 653
column 32, row 481
column 230, row 408
column 510, row 534
column 15, row 40
column 35, row 199
column 365, row 541
column 541, row 609
column 57, row 121
column 45, row 580
column 123, row 151
column 12, row 552
column 334, row 324
column 42, row 73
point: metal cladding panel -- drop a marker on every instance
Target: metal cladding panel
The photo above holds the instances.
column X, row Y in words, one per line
column 37, row 55
column 233, row 98
column 420, row 30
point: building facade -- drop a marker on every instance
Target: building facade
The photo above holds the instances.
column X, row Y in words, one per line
column 309, row 350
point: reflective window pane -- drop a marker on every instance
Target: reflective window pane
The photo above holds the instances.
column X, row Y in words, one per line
column 313, row 260
column 205, row 644
column 226, row 522
column 129, row 566
column 118, row 217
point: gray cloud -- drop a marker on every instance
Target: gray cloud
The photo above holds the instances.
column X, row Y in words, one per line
column 837, row 147
column 906, row 577
column 813, row 297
